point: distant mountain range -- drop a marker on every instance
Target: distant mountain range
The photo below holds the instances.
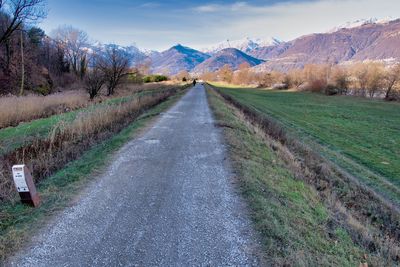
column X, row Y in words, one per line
column 362, row 40
column 245, row 45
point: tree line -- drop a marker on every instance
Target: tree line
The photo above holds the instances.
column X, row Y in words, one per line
column 32, row 60
column 367, row 79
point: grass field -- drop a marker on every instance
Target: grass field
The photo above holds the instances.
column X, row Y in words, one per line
column 295, row 226
column 361, row 136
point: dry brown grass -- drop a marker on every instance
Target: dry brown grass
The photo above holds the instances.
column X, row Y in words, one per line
column 14, row 110
column 67, row 142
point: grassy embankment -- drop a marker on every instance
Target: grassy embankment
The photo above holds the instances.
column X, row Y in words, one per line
column 371, row 222
column 287, row 212
column 18, row 222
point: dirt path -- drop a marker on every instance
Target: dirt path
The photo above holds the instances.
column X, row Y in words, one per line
column 166, row 200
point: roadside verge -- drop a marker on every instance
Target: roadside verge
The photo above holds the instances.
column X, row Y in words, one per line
column 299, row 221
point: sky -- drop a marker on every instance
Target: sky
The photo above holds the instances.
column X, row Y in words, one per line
column 158, row 25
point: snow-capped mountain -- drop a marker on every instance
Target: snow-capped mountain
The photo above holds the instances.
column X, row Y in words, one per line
column 360, row 22
column 245, row 45
column 149, row 53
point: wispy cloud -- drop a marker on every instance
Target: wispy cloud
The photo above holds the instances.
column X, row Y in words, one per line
column 239, row 6
column 156, row 24
column 208, row 8
column 212, row 8
column 150, row 5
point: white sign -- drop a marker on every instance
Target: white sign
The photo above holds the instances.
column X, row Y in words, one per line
column 19, row 178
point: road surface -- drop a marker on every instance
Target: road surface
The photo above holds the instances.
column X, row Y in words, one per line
column 167, row 199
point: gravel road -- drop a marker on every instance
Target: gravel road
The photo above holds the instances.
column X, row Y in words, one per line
column 167, row 199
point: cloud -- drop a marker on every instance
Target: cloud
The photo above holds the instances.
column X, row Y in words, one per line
column 212, row 8
column 239, row 6
column 150, row 5
column 208, row 8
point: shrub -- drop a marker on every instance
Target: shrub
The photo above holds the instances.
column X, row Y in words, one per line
column 43, row 90
column 332, row 90
column 134, row 78
column 317, row 86
column 155, row 78
column 280, row 86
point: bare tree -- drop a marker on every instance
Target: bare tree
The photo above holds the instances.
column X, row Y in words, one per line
column 114, row 63
column 75, row 44
column 392, row 77
column 14, row 13
column 225, row 73
column 94, row 81
column 296, row 78
column 375, row 78
column 242, row 76
column 360, row 72
column 95, row 77
column 340, row 79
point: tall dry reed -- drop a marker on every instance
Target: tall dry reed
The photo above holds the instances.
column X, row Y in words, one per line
column 14, row 110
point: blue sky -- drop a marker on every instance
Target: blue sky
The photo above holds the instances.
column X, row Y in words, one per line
column 160, row 24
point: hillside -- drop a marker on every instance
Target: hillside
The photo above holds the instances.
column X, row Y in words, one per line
column 370, row 41
column 176, row 59
column 229, row 56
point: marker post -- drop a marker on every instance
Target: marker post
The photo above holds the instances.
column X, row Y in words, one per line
column 25, row 186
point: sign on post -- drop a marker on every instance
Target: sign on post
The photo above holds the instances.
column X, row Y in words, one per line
column 25, row 186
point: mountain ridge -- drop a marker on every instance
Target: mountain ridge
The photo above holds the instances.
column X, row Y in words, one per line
column 177, row 58
column 371, row 41
column 229, row 56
